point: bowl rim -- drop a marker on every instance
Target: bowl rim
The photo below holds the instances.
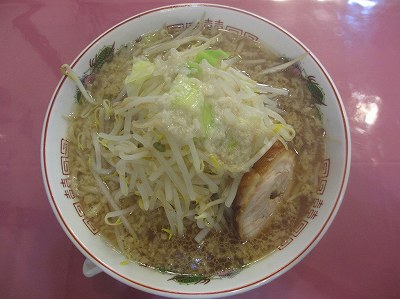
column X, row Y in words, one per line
column 224, row 292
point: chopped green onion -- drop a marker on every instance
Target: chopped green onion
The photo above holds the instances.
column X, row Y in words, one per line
column 159, row 146
column 214, row 57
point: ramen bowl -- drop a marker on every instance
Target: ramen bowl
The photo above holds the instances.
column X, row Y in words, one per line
column 55, row 157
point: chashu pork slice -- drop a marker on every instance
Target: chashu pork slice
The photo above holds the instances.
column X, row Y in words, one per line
column 261, row 190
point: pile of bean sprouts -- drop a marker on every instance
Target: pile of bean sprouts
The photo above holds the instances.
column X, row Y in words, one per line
column 167, row 137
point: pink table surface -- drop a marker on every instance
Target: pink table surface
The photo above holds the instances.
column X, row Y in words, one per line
column 359, row 44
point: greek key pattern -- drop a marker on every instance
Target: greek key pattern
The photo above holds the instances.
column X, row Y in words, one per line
column 64, row 156
column 285, row 243
column 217, row 24
column 79, row 210
column 317, row 204
column 325, row 168
column 300, row 228
column 65, row 182
column 90, row 226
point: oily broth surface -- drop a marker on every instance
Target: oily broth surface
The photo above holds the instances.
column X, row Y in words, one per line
column 221, row 252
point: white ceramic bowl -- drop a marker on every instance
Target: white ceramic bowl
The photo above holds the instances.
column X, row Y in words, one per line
column 55, row 155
